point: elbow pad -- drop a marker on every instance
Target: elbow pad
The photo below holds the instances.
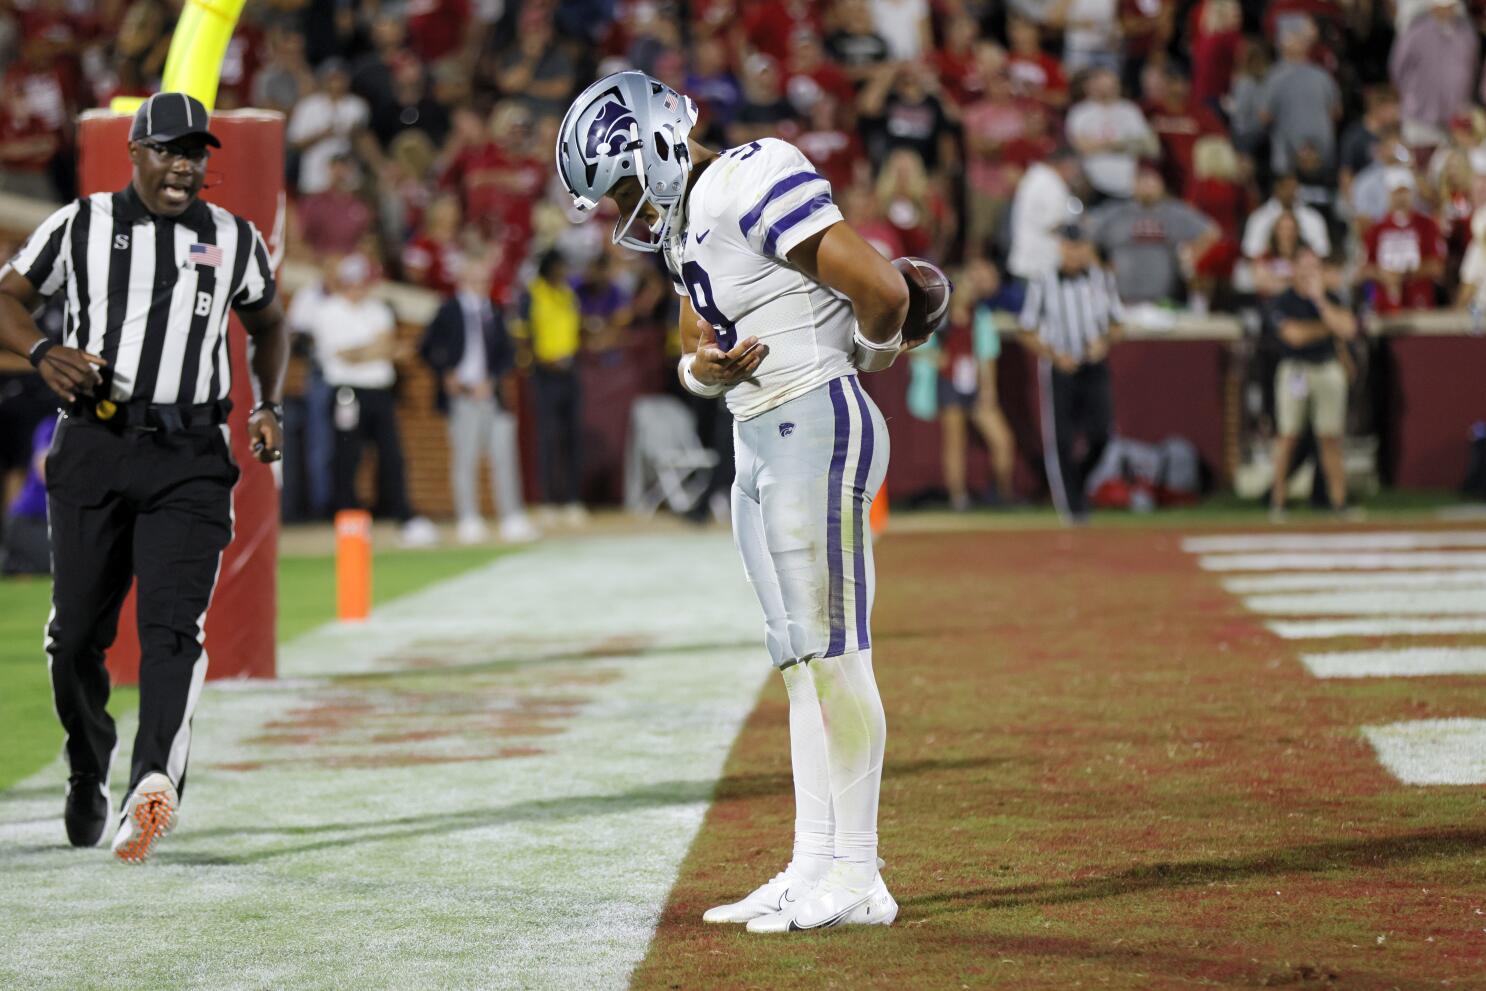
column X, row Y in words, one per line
column 869, row 356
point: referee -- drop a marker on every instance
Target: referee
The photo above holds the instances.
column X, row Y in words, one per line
column 140, row 474
column 1075, row 313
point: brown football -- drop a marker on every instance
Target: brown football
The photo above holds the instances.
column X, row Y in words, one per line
column 928, row 298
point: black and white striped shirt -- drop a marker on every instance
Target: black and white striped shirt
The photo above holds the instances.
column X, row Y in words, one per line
column 1070, row 311
column 150, row 294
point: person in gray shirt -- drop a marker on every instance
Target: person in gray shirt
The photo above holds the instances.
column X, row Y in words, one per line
column 1151, row 240
column 1299, row 103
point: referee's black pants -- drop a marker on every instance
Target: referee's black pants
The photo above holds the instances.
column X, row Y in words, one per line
column 157, row 507
column 1075, row 405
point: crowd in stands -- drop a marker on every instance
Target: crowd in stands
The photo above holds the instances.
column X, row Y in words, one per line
column 1205, row 141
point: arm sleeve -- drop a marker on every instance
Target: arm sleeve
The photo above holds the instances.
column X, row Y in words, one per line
column 42, row 260
column 786, row 200
column 257, row 288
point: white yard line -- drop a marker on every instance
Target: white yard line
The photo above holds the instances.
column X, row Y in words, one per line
column 1378, row 626
column 496, row 792
column 1432, row 751
column 1412, row 662
column 1345, row 560
column 1308, row 581
column 1283, row 540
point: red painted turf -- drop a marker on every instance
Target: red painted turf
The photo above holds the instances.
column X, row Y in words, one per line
column 1103, row 772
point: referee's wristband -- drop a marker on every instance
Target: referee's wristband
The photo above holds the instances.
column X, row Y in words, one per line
column 39, row 350
column 691, row 383
column 274, row 408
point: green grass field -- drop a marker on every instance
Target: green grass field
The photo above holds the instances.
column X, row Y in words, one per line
column 306, row 600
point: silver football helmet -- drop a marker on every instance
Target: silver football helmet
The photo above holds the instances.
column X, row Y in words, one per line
column 628, row 124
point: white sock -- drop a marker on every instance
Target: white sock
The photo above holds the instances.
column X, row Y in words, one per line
column 856, row 732
column 814, row 825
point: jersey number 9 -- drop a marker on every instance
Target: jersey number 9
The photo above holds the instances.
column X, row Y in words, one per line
column 699, row 288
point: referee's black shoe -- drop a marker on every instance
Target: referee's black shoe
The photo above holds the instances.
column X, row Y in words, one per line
column 86, row 812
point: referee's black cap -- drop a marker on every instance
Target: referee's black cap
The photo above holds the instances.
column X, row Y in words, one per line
column 168, row 116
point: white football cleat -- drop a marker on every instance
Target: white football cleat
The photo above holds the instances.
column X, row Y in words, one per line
column 778, row 895
column 834, row 902
column 148, row 815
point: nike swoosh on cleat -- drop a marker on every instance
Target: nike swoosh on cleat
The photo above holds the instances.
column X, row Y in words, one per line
column 795, row 927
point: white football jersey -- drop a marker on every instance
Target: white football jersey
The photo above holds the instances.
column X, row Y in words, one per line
column 744, row 214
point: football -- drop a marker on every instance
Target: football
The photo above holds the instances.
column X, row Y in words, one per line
column 928, row 298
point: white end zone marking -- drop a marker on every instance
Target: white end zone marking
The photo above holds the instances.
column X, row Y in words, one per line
column 1307, row 581
column 1381, row 626
column 1348, row 561
column 1452, row 602
column 1432, row 751
column 1414, row 662
column 1378, row 540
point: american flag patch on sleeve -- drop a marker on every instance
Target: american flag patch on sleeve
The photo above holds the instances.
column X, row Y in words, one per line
column 205, row 254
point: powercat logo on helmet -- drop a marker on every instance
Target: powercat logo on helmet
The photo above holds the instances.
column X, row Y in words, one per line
column 609, row 131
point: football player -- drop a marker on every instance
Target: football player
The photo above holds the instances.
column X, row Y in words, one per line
column 782, row 304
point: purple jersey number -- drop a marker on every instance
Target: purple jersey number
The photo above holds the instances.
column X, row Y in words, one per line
column 699, row 288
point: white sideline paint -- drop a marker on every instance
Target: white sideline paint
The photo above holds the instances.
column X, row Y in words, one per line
column 1451, row 602
column 1369, row 540
column 1414, row 662
column 1432, row 751
column 1302, row 581
column 543, row 871
column 1350, row 561
column 1380, row 626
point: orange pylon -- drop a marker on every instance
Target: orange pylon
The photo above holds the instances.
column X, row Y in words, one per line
column 879, row 511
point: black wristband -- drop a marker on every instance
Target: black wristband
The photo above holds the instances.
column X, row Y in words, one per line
column 39, row 350
column 274, row 408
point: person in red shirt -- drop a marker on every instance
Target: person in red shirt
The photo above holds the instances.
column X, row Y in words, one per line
column 1035, row 74
column 1216, row 188
column 437, row 28
column 768, row 25
column 334, row 221
column 809, row 74
column 1146, row 26
column 836, row 152
column 959, row 70
column 433, row 257
column 1178, row 123
column 1405, row 252
column 27, row 145
column 1217, row 32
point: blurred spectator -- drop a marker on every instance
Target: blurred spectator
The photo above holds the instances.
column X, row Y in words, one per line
column 960, row 67
column 1111, row 134
column 1215, row 46
column 712, row 84
column 285, row 76
column 1453, row 212
column 334, row 220
column 538, row 69
column 437, row 28
column 1216, row 187
column 28, row 144
column 473, row 362
column 549, row 334
column 1464, row 137
column 1146, row 27
column 860, row 208
column 1299, row 104
column 1405, row 253
column 835, row 151
column 1034, row 74
column 966, row 354
column 1091, row 33
column 26, row 547
column 1361, row 136
column 1433, row 64
column 904, row 24
column 1178, row 123
column 1370, row 192
column 1285, row 198
column 1472, row 291
column 434, row 257
column 1244, row 100
column 1039, row 208
column 355, row 340
column 990, row 124
column 1274, row 270
column 605, row 297
column 765, row 112
column 323, row 125
column 909, row 202
column 855, row 43
column 409, row 107
column 372, row 71
column 810, row 75
column 1152, row 242
column 1311, row 384
column 901, row 108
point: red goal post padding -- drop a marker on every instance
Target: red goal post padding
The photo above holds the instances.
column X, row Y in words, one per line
column 246, row 176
